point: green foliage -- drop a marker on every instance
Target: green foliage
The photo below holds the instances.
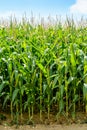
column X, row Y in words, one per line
column 43, row 67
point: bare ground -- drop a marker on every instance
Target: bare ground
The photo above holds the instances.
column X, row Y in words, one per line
column 62, row 124
column 46, row 127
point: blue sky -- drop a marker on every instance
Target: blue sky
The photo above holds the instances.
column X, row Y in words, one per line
column 43, row 8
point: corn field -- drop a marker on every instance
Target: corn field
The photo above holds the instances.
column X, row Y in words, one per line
column 43, row 69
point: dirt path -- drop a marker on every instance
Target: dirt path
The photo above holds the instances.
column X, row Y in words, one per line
column 48, row 127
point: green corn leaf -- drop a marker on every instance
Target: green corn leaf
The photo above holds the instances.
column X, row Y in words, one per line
column 15, row 93
column 41, row 67
column 3, row 84
column 85, row 90
column 73, row 59
column 6, row 99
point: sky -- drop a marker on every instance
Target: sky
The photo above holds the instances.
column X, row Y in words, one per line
column 43, row 8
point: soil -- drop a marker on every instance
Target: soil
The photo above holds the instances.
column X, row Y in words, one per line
column 46, row 127
column 80, row 123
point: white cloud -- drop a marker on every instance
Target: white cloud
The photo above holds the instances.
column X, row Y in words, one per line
column 79, row 7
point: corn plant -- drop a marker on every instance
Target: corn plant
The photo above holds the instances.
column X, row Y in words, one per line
column 42, row 68
column 85, row 82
